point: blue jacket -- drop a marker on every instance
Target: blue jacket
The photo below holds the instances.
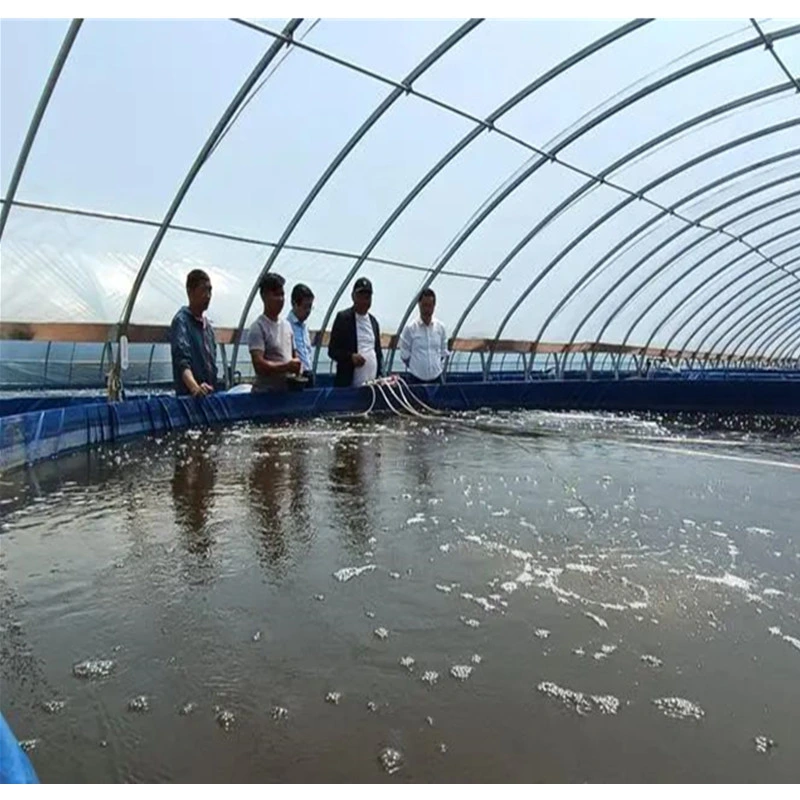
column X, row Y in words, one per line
column 193, row 345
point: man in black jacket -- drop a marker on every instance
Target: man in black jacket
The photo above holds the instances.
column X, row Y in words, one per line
column 355, row 343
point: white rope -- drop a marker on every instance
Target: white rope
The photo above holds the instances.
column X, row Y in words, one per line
column 403, row 384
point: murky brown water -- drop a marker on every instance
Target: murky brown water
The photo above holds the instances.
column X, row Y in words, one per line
column 203, row 566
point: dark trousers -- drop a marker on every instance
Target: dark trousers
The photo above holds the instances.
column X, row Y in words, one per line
column 413, row 379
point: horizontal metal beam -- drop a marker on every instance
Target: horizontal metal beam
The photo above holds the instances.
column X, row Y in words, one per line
column 382, row 108
column 480, row 128
column 575, row 196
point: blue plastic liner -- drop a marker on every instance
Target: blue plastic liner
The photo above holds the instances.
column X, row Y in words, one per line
column 15, row 766
column 33, row 436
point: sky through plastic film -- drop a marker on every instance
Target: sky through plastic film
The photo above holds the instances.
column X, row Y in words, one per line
column 696, row 118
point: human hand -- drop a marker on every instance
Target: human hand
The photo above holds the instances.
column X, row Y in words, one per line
column 295, row 366
column 203, row 389
column 358, row 360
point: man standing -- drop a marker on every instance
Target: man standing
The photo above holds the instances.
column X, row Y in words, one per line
column 355, row 343
column 302, row 303
column 423, row 343
column 270, row 340
column 192, row 340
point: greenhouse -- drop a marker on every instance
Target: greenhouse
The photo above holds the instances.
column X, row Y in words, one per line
column 575, row 520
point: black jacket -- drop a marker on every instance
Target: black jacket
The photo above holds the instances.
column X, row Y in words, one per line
column 344, row 342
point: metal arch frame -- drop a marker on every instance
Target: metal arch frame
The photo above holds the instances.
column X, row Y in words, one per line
column 778, row 298
column 685, row 274
column 741, row 276
column 678, row 280
column 771, row 341
column 489, row 206
column 463, row 144
column 634, row 234
column 711, row 277
column 786, row 346
column 766, row 334
column 38, row 115
column 687, row 249
column 420, row 69
column 738, row 330
column 564, row 205
column 200, row 160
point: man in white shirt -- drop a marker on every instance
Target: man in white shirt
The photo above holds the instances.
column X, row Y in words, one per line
column 423, row 343
column 355, row 342
column 270, row 340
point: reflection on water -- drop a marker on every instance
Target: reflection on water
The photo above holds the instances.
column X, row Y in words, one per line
column 575, row 608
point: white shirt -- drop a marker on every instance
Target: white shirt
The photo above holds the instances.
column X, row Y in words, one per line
column 365, row 337
column 423, row 349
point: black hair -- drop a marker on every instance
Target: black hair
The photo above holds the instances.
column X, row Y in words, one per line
column 301, row 292
column 195, row 278
column 271, row 282
column 426, row 293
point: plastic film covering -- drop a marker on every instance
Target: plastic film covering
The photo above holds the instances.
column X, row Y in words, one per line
column 622, row 183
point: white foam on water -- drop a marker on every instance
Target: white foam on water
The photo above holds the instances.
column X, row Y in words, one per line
column 429, row 720
column 599, row 620
column 679, row 708
column 445, row 548
column 279, row 712
column 484, row 604
column 347, row 573
column 504, row 513
column 333, row 698
column 541, row 633
column 319, row 597
column 460, row 671
column 760, row 531
column 139, row 704
column 256, row 636
column 381, row 633
column 689, row 523
column 579, row 651
column 476, row 659
column 408, row 662
column 578, row 701
column 467, row 596
column 391, row 760
column 732, row 581
column 652, row 661
column 764, row 744
column 470, row 622
column 773, row 592
column 442, row 588
column 93, row 668
column 417, row 519
column 225, row 719
column 471, row 537
column 792, row 640
column 576, row 511
column 372, row 706
column 509, row 587
column 187, row 708
column 28, row 745
column 586, row 568
column 430, row 676
column 53, row 706
column 394, row 576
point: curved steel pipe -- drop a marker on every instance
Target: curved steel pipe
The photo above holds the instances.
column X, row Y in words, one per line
column 774, row 341
column 733, row 281
column 773, row 331
column 759, row 279
column 564, row 205
column 500, row 111
column 362, row 131
column 194, row 170
column 680, row 278
column 737, row 331
column 495, row 201
column 788, row 348
column 734, row 336
column 36, row 120
column 688, row 248
column 630, row 237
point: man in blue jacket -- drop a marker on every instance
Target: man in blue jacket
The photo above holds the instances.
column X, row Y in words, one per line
column 194, row 345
